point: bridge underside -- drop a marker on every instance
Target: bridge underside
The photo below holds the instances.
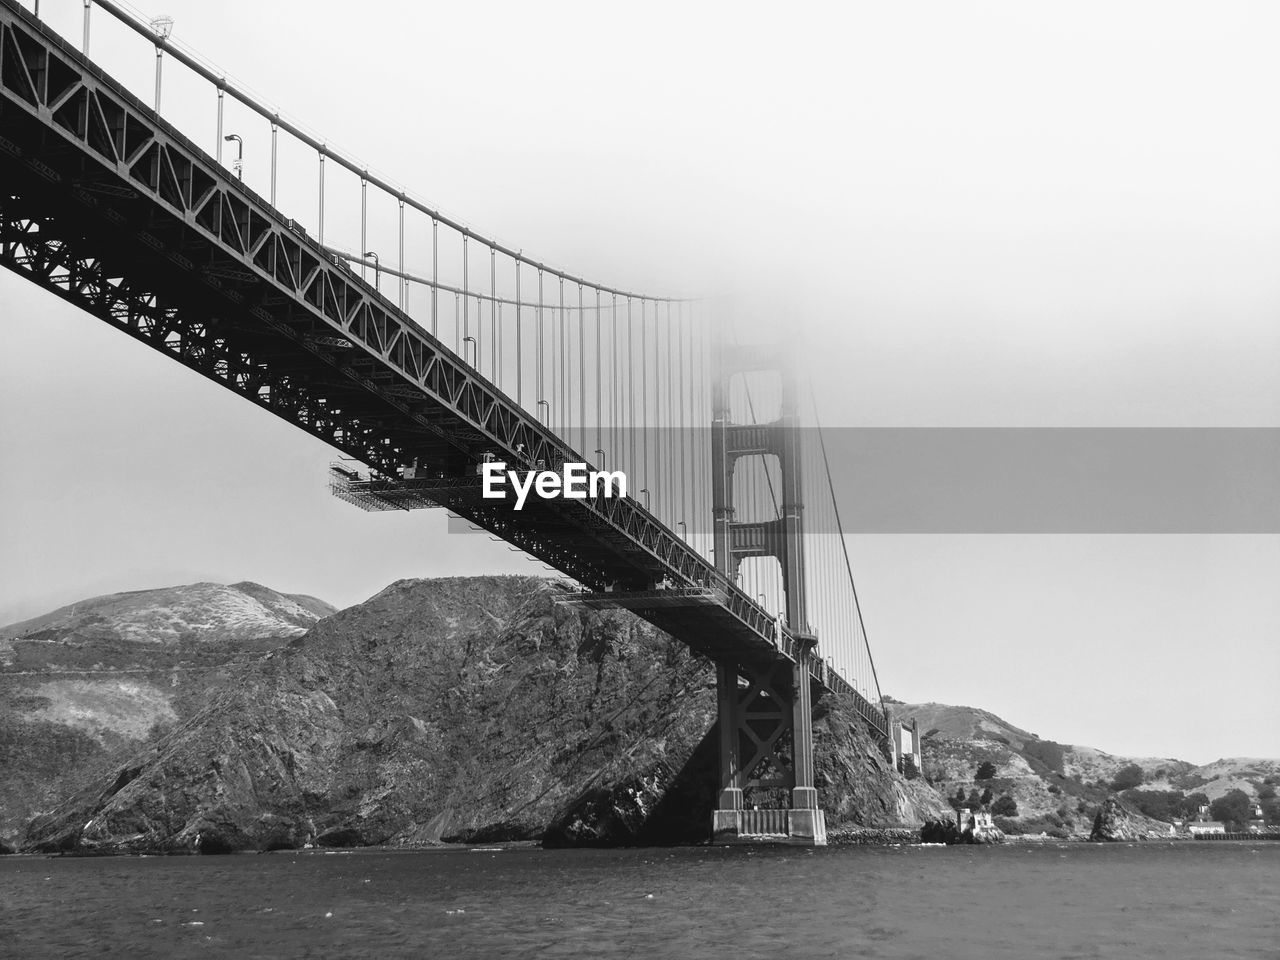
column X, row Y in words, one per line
column 114, row 211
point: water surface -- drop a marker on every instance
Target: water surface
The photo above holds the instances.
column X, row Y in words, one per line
column 1019, row 902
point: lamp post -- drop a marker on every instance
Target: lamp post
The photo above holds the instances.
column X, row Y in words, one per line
column 377, row 269
column 475, row 350
column 238, row 164
column 547, row 404
column 161, row 27
column 645, row 491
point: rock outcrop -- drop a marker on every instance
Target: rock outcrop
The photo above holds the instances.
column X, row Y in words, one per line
column 471, row 709
column 1115, row 822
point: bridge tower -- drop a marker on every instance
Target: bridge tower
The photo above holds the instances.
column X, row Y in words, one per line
column 764, row 708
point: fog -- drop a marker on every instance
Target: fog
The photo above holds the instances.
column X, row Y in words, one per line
column 982, row 214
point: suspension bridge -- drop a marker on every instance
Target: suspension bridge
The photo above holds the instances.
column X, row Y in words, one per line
column 421, row 349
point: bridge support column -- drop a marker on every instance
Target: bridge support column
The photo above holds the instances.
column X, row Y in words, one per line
column 806, row 823
column 766, row 790
column 774, row 708
column 727, row 818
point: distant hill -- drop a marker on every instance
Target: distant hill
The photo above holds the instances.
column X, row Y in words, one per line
column 201, row 612
column 102, row 675
column 1057, row 786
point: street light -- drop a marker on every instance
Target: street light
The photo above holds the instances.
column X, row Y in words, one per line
column 547, row 404
column 684, row 529
column 475, row 350
column 645, row 491
column 238, row 164
column 370, row 255
column 161, row 27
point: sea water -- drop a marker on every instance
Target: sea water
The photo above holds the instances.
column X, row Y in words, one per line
column 1020, row 901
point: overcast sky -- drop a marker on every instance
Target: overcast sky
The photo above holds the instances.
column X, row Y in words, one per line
column 982, row 214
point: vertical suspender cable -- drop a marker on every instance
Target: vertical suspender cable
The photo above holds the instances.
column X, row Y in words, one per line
column 495, row 368
column 519, row 344
column 682, row 426
column 630, row 425
column 582, row 374
column 672, row 369
column 404, row 283
column 320, row 231
column 541, row 394
column 364, row 223
column 466, row 312
column 275, row 137
column 615, row 387
column 644, row 401
column 562, row 378
column 599, row 391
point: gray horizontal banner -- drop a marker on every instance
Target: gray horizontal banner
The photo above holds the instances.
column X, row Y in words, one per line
column 977, row 480
column 1120, row 480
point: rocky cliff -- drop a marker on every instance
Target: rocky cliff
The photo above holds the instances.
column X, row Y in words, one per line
column 1114, row 822
column 470, row 709
column 91, row 682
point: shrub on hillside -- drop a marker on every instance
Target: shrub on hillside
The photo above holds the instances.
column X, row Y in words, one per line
column 986, row 770
column 1163, row 805
column 1127, row 778
column 1005, row 806
column 1267, row 791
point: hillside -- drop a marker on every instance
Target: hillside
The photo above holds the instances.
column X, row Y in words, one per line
column 1058, row 787
column 200, row 612
column 459, row 708
column 98, row 677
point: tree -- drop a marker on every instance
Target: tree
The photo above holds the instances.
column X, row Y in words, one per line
column 909, row 769
column 958, row 800
column 1271, row 810
column 1006, row 806
column 1191, row 806
column 1233, row 808
column 975, row 800
column 1267, row 792
column 1127, row 778
column 986, row 770
column 986, row 796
